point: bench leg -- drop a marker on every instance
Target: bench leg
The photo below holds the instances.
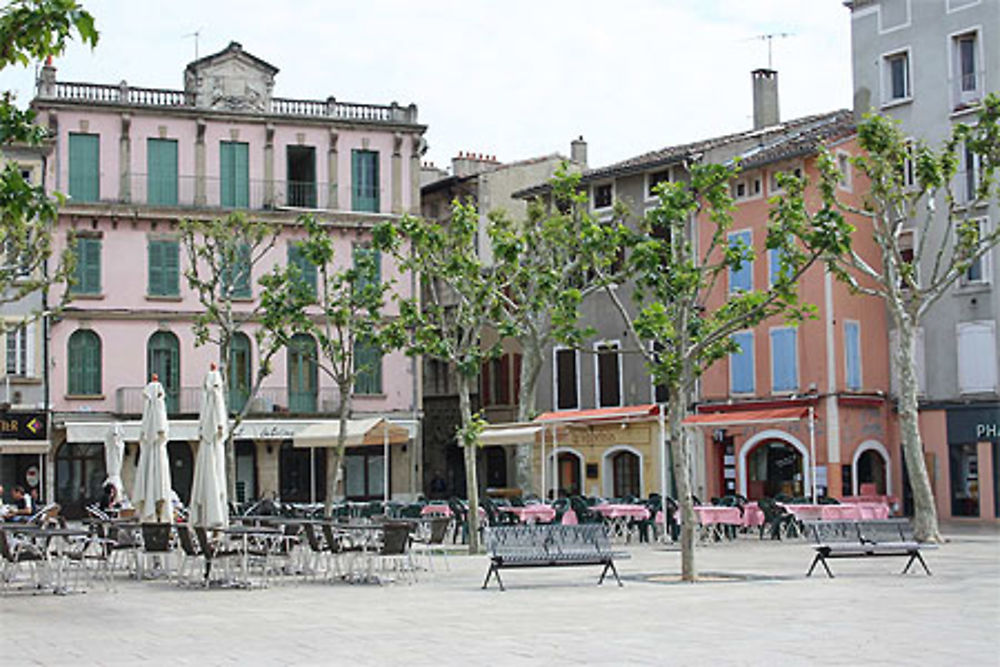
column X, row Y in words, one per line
column 821, row 560
column 916, row 556
column 610, row 565
column 489, row 573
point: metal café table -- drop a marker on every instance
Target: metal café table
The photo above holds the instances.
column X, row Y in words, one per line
column 243, row 535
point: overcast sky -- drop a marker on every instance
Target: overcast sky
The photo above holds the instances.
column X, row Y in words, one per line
column 513, row 78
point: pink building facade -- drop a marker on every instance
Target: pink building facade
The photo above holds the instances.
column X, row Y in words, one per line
column 804, row 407
column 134, row 162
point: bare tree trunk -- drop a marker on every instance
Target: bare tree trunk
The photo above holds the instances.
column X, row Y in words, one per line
column 925, row 521
column 531, row 367
column 471, row 481
column 680, row 451
column 334, row 459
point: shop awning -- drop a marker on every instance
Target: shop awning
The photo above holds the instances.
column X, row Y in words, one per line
column 598, row 414
column 371, row 431
column 24, row 446
column 509, row 434
column 741, row 417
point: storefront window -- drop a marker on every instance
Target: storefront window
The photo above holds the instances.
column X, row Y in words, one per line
column 246, row 471
column 302, row 473
column 79, row 476
column 964, row 469
column 364, row 474
column 774, row 468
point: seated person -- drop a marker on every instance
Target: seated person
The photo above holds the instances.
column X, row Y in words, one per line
column 4, row 509
column 109, row 497
column 23, row 508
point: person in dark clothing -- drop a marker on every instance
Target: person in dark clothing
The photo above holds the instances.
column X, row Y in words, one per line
column 22, row 505
column 109, row 497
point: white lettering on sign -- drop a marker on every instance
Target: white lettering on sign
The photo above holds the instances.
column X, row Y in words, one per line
column 987, row 430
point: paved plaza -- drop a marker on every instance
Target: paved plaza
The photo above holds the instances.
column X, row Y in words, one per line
column 755, row 608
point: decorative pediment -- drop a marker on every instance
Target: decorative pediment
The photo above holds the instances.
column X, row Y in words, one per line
column 231, row 80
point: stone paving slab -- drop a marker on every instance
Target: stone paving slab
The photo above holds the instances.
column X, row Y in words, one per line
column 766, row 613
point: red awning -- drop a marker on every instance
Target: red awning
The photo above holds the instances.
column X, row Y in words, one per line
column 736, row 417
column 599, row 414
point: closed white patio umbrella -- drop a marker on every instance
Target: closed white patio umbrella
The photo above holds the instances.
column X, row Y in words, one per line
column 114, row 454
column 151, row 494
column 208, row 507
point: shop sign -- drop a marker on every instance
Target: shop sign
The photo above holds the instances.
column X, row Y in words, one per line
column 22, row 426
column 969, row 425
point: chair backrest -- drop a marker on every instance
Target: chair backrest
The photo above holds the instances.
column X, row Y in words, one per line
column 395, row 539
column 5, row 549
column 439, row 529
column 886, row 530
column 187, row 544
column 156, row 537
column 333, row 543
column 207, row 549
column 312, row 539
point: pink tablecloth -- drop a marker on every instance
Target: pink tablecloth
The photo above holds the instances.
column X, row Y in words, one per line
column 436, row 510
column 621, row 511
column 841, row 512
column 711, row 514
column 753, row 515
column 532, row 513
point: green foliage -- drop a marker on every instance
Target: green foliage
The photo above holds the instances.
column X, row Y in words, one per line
column 462, row 295
column 351, row 305
column 31, row 30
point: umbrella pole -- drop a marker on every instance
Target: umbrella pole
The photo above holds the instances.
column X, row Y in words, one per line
column 385, row 463
column 312, row 475
column 812, row 451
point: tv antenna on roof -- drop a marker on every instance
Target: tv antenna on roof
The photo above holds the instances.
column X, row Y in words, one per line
column 770, row 37
column 195, row 34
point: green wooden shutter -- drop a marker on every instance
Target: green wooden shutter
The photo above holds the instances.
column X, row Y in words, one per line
column 156, row 286
column 242, row 286
column 355, row 181
column 307, row 269
column 76, row 364
column 92, row 365
column 367, row 368
column 227, row 185
column 364, row 181
column 241, row 166
column 84, row 167
column 161, row 167
column 88, row 266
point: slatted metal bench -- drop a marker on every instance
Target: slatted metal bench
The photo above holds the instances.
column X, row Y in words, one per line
column 884, row 538
column 551, row 545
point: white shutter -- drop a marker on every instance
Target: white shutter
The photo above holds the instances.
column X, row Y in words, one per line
column 977, row 357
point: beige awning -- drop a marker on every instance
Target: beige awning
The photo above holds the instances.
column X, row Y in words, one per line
column 371, row 431
column 24, row 446
column 509, row 434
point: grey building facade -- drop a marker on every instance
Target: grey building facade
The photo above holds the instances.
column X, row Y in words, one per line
column 927, row 63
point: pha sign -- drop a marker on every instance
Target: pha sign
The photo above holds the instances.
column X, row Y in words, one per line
column 987, row 431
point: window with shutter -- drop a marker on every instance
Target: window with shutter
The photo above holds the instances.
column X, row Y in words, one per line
column 364, row 181
column 977, row 357
column 240, row 371
column 235, row 278
column 852, row 354
column 161, row 172
column 741, row 279
column 367, row 368
column 307, row 270
column 163, row 357
column 164, row 268
column 234, row 174
column 567, row 396
column 741, row 366
column 608, row 375
column 84, row 167
column 84, row 363
column 368, row 264
column 87, row 274
column 302, row 374
column 784, row 360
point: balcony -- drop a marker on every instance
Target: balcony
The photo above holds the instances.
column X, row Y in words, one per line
column 210, row 192
column 269, row 401
column 125, row 95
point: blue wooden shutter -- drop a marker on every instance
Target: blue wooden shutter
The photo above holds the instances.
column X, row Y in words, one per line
column 161, row 167
column 774, row 265
column 784, row 360
column 84, row 167
column 741, row 280
column 852, row 352
column 741, row 364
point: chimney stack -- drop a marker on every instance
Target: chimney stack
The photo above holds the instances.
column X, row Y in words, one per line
column 467, row 163
column 578, row 151
column 765, row 98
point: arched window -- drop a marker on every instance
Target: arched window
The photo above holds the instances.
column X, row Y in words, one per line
column 84, row 363
column 625, row 474
column 163, row 357
column 302, row 374
column 570, row 477
column 872, row 472
column 240, row 371
column 775, row 468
